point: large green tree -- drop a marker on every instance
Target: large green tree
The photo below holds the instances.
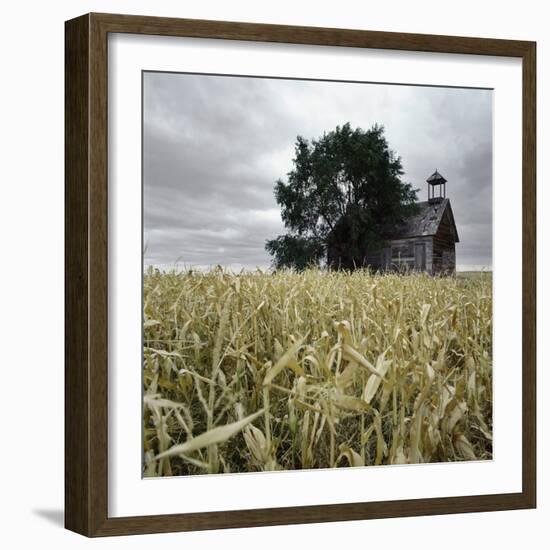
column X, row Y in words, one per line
column 343, row 196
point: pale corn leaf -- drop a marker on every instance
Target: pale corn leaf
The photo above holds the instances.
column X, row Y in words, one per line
column 456, row 415
column 374, row 381
column 349, row 403
column 345, row 378
column 256, row 442
column 464, row 447
column 212, row 437
column 399, row 457
column 424, row 314
column 284, row 360
column 155, row 401
column 353, row 355
column 150, row 465
column 353, row 458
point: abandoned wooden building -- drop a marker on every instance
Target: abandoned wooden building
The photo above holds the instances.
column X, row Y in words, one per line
column 423, row 242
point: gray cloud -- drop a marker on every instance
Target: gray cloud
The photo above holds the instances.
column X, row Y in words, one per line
column 215, row 145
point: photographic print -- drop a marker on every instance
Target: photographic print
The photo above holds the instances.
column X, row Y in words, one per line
column 317, row 274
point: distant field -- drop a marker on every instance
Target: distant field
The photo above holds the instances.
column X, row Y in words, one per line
column 474, row 274
column 289, row 371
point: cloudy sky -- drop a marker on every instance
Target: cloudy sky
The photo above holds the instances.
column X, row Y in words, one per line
column 215, row 145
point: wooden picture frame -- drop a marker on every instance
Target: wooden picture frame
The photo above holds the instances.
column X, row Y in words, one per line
column 86, row 281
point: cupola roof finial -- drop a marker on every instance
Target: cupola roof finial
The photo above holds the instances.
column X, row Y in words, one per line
column 436, row 178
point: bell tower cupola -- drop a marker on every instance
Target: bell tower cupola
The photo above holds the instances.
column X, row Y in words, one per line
column 436, row 187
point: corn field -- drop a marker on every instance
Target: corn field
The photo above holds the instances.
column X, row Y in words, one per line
column 283, row 371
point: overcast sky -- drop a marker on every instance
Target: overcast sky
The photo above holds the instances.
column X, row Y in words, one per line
column 215, row 145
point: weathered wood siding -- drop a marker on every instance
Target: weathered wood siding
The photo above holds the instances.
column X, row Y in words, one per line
column 402, row 254
column 433, row 254
column 444, row 255
column 413, row 254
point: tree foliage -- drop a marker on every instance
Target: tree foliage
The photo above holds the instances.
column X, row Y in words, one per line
column 343, row 196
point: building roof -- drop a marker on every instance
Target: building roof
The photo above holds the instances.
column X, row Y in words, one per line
column 426, row 222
